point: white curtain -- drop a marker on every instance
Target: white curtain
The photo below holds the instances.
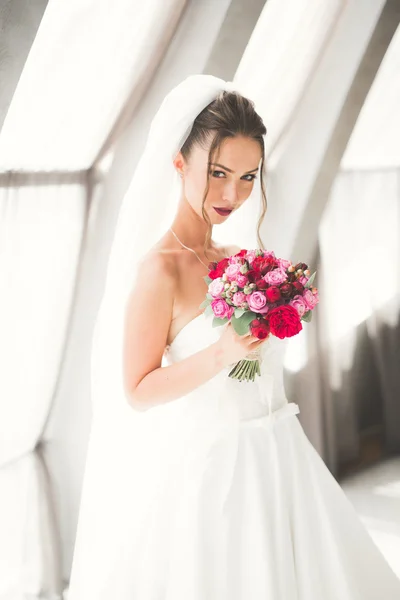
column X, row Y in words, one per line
column 88, row 57
column 287, row 44
column 359, row 324
column 41, row 231
column 288, row 41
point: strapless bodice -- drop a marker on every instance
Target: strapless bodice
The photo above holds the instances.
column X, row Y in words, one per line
column 222, row 394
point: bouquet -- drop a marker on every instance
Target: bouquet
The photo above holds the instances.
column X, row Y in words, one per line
column 261, row 294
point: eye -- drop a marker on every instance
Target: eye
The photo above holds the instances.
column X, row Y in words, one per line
column 218, row 173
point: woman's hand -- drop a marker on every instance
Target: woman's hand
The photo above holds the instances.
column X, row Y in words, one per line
column 233, row 347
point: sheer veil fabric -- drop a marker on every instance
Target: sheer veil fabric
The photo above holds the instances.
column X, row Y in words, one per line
column 119, row 454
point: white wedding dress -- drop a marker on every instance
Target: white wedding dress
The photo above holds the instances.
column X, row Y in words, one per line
column 238, row 505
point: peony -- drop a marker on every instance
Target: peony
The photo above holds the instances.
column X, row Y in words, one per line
column 216, row 287
column 284, row 321
column 275, row 277
column 221, row 309
column 298, row 303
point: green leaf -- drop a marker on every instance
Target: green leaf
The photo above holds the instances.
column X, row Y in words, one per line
column 307, row 316
column 241, row 324
column 239, row 312
column 310, row 281
column 209, row 310
column 207, row 279
column 205, row 303
column 208, row 295
column 217, row 322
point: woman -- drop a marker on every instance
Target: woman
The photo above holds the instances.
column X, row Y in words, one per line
column 198, row 486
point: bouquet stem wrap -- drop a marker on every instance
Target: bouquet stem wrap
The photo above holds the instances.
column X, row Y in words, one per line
column 247, row 368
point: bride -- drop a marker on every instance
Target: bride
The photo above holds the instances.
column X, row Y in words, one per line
column 198, row 486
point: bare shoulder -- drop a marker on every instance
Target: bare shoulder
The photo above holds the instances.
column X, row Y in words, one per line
column 148, row 315
column 158, row 262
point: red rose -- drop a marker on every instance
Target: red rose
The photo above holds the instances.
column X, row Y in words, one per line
column 252, row 275
column 273, row 293
column 218, row 268
column 287, row 289
column 259, row 328
column 299, row 287
column 284, row 321
column 264, row 264
column 241, row 253
column 261, row 284
column 221, row 266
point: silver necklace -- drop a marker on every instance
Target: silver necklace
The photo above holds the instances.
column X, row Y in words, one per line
column 187, row 247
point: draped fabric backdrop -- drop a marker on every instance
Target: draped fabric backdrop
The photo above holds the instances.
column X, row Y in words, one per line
column 75, row 111
column 359, row 318
column 40, row 246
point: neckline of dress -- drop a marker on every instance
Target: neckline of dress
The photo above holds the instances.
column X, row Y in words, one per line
column 183, row 328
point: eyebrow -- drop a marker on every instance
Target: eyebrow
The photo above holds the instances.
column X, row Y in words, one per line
column 230, row 170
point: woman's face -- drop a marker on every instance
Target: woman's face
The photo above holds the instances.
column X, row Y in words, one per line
column 231, row 176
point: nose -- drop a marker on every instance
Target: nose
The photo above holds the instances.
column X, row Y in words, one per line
column 230, row 193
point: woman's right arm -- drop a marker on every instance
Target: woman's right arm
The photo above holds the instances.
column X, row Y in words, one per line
column 147, row 320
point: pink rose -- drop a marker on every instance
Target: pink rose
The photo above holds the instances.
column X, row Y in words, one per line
column 284, row 264
column 275, row 277
column 298, row 303
column 241, row 280
column 221, row 309
column 229, row 311
column 310, row 299
column 256, row 301
column 303, row 279
column 232, row 271
column 250, row 256
column 233, row 260
column 238, row 298
column 216, row 287
column 269, row 253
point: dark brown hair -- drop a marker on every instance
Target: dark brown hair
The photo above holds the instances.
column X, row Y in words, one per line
column 229, row 115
